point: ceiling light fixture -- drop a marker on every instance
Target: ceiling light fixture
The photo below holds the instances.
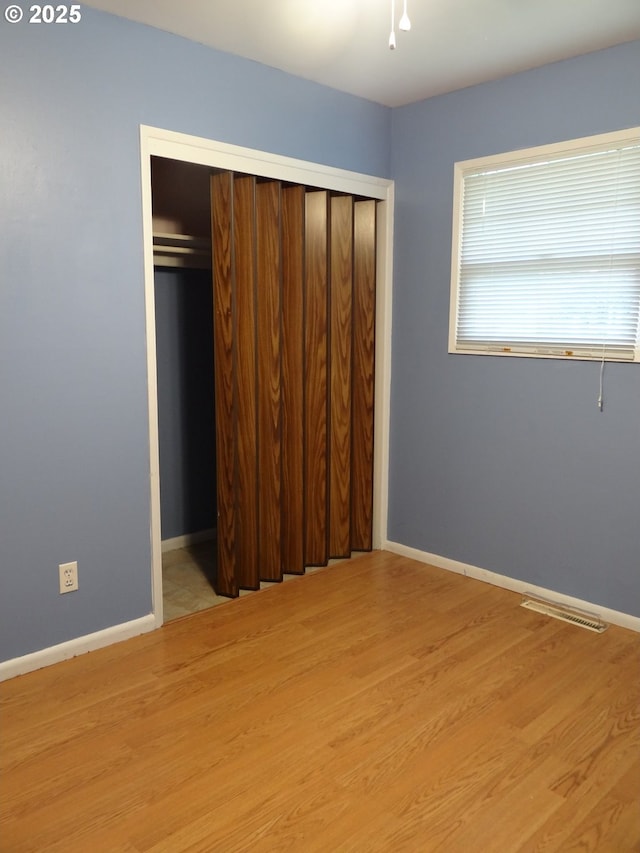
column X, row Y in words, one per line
column 404, row 25
column 392, row 37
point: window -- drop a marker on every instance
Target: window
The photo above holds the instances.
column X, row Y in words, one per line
column 546, row 251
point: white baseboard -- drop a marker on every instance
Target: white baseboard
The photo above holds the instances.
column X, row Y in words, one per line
column 612, row 617
column 73, row 648
column 188, row 539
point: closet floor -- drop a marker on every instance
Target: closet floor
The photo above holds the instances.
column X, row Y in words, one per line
column 188, row 576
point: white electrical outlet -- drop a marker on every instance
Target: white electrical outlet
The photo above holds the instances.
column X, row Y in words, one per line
column 68, row 577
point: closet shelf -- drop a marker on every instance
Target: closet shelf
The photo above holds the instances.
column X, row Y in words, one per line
column 181, row 250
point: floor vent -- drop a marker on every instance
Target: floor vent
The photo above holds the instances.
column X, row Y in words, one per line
column 565, row 614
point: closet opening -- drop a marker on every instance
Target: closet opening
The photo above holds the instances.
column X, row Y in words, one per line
column 185, row 381
column 255, row 355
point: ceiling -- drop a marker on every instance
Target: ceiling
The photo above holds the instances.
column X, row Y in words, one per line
column 344, row 43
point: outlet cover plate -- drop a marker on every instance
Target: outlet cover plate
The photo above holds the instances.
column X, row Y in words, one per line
column 68, row 577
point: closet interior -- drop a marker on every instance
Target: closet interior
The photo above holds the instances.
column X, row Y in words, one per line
column 265, row 317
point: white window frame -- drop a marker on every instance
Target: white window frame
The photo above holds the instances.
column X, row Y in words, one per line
column 521, row 157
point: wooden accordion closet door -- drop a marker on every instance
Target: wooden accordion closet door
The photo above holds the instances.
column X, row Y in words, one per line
column 294, row 312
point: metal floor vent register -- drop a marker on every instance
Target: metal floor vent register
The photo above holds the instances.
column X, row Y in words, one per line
column 565, row 614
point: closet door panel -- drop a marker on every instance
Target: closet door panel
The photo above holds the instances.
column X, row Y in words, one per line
column 316, row 389
column 244, row 231
column 222, row 238
column 294, row 317
column 340, row 344
column 292, row 379
column 364, row 297
column 269, row 378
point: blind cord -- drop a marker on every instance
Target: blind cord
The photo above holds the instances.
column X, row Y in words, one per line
column 612, row 242
column 600, row 398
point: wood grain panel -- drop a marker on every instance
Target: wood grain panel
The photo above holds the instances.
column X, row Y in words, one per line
column 221, row 240
column 244, row 239
column 269, row 378
column 316, row 387
column 292, row 501
column 340, row 343
column 364, row 301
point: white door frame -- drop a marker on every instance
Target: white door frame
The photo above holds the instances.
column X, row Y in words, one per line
column 219, row 155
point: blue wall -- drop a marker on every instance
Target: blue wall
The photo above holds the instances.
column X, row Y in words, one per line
column 74, row 457
column 507, row 463
column 503, row 463
column 186, row 413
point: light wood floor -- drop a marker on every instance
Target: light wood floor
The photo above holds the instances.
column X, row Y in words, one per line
column 377, row 705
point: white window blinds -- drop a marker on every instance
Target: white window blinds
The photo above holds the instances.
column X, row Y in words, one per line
column 547, row 254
